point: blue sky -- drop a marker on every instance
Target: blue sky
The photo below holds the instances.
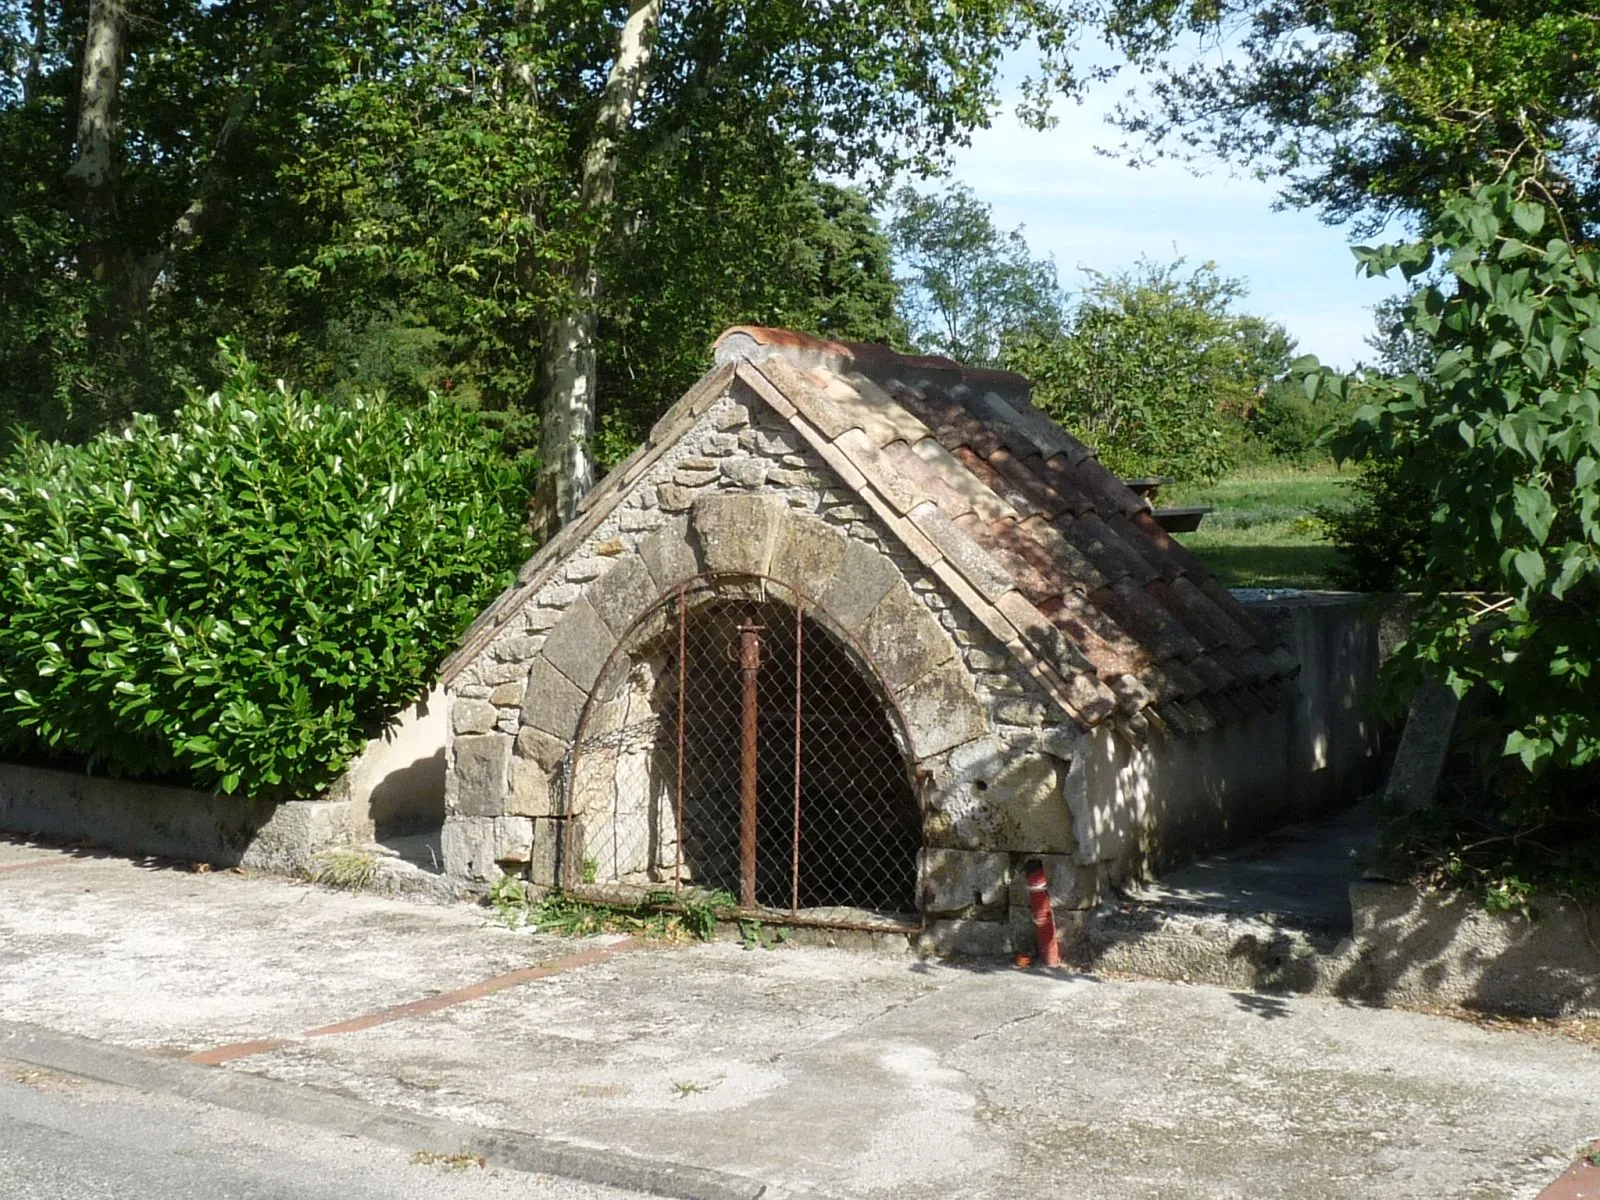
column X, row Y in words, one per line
column 1085, row 209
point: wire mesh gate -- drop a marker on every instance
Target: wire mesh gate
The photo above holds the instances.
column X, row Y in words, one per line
column 736, row 746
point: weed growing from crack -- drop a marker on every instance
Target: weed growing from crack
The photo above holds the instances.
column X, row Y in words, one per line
column 660, row 915
column 351, row 870
column 464, row 1161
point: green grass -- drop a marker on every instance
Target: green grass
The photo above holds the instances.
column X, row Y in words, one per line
column 1262, row 533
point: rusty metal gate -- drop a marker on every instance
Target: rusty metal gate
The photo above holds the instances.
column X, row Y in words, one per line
column 736, row 745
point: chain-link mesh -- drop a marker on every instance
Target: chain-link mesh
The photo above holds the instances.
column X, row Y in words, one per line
column 735, row 747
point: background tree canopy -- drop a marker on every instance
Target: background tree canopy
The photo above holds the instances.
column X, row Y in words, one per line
column 403, row 193
column 1373, row 109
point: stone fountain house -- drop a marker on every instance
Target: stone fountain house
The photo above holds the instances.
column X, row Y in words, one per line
column 855, row 635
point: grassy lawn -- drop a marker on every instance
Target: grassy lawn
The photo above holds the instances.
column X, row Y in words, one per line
column 1262, row 533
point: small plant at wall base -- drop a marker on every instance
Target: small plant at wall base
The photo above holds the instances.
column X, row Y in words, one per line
column 241, row 595
column 1498, row 444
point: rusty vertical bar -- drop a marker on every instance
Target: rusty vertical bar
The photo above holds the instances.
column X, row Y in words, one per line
column 683, row 675
column 799, row 675
column 749, row 669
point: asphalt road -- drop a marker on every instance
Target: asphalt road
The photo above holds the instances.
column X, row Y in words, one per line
column 62, row 1137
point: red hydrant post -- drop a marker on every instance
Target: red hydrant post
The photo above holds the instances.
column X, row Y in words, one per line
column 1044, row 919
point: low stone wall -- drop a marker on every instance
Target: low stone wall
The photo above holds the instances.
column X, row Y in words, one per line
column 1422, row 947
column 1408, row 946
column 168, row 822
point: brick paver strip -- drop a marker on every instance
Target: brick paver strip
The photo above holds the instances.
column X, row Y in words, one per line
column 1580, row 1182
column 222, row 1054
column 37, row 862
column 417, row 1008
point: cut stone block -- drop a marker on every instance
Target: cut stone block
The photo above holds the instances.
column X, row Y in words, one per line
column 622, row 594
column 1035, row 816
column 473, row 716
column 479, row 778
column 966, row 939
column 807, row 553
column 476, row 847
column 1073, row 886
column 507, row 695
column 941, row 711
column 963, row 881
column 535, row 745
column 736, row 531
column 579, row 644
column 746, row 472
column 904, row 640
column 864, row 575
column 531, row 794
column 669, row 555
column 552, row 702
column 1424, row 745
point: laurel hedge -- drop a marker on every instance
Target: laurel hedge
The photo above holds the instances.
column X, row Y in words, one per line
column 240, row 595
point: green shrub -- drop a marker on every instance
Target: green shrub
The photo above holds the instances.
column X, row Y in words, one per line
column 1384, row 532
column 1497, row 447
column 241, row 595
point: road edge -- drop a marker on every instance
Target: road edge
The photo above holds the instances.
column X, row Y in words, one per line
column 306, row 1105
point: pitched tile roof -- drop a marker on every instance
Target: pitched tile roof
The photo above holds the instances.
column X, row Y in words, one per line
column 1057, row 558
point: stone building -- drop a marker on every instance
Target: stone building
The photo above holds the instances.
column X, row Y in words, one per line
column 852, row 637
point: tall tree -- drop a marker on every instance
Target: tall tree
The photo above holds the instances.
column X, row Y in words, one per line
column 969, row 289
column 1372, row 109
column 568, row 374
column 1152, row 364
column 872, row 86
column 509, row 201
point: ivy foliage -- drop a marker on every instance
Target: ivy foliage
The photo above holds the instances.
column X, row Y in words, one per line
column 241, row 595
column 1499, row 443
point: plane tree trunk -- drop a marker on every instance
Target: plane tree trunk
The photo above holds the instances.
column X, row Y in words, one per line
column 566, row 388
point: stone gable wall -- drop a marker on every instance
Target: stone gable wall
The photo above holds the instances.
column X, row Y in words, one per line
column 742, row 493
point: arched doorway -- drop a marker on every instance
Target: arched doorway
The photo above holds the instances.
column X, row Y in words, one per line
column 736, row 743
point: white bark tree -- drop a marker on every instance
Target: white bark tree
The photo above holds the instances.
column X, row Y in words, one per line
column 99, row 89
column 567, row 382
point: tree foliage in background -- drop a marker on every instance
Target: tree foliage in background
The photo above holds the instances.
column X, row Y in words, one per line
column 390, row 192
column 1501, row 441
column 1371, row 109
column 1154, row 366
column 242, row 595
column 969, row 290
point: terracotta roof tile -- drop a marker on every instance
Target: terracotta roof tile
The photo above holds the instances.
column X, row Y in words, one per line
column 948, row 421
column 1114, row 558
column 976, row 565
column 938, row 478
column 1109, row 613
column 1154, row 628
column 993, row 480
column 1044, row 498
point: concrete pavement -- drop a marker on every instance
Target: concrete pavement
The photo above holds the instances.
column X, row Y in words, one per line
column 808, row 1070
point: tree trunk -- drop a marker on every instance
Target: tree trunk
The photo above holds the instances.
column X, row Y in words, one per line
column 30, row 82
column 567, row 372
column 98, row 91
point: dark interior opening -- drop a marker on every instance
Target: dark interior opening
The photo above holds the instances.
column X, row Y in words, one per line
column 860, row 826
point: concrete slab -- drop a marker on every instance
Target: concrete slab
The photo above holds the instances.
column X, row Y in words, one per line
column 845, row 1074
column 1302, row 872
column 155, row 956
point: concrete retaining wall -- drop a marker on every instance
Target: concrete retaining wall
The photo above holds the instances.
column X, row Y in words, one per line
column 142, row 818
column 1150, row 807
column 399, row 777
